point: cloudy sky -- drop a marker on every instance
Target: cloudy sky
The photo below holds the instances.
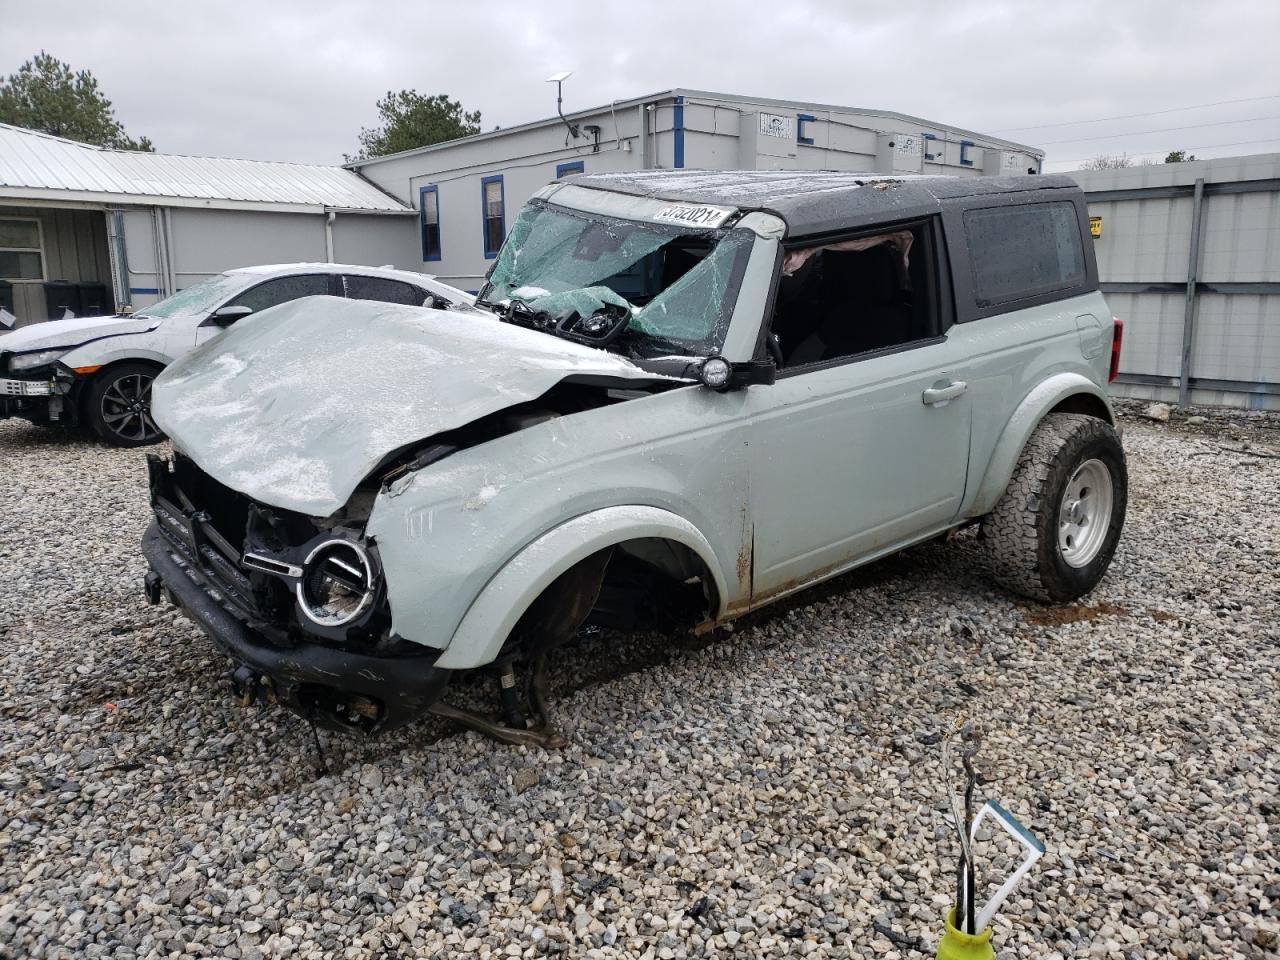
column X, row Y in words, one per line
column 289, row 80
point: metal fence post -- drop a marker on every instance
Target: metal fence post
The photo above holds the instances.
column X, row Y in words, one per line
column 1189, row 313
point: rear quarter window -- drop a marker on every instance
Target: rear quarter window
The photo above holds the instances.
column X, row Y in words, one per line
column 380, row 288
column 1024, row 251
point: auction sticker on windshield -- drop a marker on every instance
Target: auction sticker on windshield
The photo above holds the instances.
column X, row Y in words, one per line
column 693, row 216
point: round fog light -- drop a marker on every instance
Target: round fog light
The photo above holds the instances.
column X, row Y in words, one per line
column 337, row 583
column 715, row 373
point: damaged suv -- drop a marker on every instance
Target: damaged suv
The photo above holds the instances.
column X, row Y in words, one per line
column 690, row 394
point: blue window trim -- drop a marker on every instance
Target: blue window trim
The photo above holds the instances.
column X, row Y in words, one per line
column 570, row 166
column 484, row 213
column 434, row 190
column 677, row 129
column 927, row 154
column 801, row 120
column 964, row 153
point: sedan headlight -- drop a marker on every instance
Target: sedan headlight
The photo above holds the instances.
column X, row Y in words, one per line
column 29, row 361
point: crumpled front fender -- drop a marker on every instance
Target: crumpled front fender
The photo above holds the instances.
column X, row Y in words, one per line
column 509, row 593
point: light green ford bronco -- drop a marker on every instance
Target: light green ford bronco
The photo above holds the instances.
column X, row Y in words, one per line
column 685, row 395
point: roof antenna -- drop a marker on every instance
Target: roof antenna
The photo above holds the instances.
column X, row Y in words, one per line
column 558, row 79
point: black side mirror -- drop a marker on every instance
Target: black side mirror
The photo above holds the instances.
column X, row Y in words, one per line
column 226, row 316
column 719, row 374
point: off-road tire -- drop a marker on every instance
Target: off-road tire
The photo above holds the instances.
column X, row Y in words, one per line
column 1021, row 534
column 108, row 396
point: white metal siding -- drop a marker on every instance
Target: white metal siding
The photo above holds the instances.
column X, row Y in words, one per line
column 714, row 126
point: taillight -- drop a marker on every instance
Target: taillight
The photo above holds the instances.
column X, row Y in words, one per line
column 1116, row 338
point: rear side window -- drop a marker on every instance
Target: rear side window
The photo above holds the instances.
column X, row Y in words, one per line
column 379, row 288
column 1019, row 252
column 282, row 290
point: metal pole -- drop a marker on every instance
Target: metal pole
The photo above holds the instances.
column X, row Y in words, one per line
column 1189, row 314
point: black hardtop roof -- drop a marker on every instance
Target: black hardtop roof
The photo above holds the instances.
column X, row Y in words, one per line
column 811, row 201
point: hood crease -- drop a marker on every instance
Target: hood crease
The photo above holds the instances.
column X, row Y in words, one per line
column 296, row 405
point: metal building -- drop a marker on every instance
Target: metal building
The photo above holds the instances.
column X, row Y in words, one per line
column 467, row 191
column 95, row 230
column 1189, row 258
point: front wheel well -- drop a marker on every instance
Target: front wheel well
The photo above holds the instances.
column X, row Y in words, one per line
column 646, row 583
column 676, row 581
column 107, row 368
column 1084, row 403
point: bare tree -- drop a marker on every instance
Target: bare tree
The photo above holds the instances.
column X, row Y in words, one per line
column 1108, row 162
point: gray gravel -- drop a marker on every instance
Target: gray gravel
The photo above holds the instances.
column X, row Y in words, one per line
column 772, row 792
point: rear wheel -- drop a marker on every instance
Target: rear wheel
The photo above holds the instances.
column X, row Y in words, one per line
column 1055, row 529
column 118, row 405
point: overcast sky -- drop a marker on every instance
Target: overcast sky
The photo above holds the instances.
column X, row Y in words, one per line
column 289, row 80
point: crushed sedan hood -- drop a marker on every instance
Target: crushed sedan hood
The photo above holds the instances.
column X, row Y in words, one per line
column 295, row 405
column 71, row 333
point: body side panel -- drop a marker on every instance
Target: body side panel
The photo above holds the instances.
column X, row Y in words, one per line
column 154, row 345
column 444, row 532
column 1010, row 357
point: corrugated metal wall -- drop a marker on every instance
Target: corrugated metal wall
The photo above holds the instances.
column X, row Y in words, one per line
column 1231, row 320
column 75, row 248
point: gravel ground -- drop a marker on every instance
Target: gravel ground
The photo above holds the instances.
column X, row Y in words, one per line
column 771, row 792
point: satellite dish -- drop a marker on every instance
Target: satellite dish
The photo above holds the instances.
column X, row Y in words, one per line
column 558, row 79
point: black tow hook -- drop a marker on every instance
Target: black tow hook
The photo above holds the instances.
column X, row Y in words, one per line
column 151, row 584
column 245, row 686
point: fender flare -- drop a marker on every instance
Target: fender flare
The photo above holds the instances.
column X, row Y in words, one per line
column 1035, row 405
column 494, row 612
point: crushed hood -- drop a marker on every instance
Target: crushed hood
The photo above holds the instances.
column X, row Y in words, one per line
column 71, row 333
column 295, row 405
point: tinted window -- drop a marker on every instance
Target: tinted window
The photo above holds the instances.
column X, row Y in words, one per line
column 429, row 211
column 493, row 204
column 1024, row 251
column 389, row 291
column 282, row 290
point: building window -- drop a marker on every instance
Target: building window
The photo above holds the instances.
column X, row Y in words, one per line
column 429, row 207
column 495, row 214
column 570, row 168
column 21, row 250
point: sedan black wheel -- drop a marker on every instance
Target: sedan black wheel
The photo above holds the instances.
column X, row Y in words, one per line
column 118, row 405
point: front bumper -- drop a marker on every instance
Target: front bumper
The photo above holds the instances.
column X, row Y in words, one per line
column 334, row 687
column 39, row 401
column 26, row 388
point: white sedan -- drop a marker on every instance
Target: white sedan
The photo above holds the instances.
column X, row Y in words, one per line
column 98, row 370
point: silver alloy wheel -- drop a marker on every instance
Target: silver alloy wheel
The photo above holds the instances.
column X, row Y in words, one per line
column 126, row 408
column 1085, row 513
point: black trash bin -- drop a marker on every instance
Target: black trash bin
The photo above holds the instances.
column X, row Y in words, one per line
column 93, row 299
column 60, row 296
column 6, row 296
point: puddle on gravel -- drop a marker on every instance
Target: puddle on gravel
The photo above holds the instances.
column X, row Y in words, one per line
column 1075, row 613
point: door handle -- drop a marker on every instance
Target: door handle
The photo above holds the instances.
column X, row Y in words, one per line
column 937, row 396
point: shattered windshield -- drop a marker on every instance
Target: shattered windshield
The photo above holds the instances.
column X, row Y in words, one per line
column 674, row 287
column 200, row 297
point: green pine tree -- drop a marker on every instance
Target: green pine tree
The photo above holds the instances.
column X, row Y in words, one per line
column 409, row 120
column 46, row 95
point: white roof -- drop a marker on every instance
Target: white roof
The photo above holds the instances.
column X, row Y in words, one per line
column 39, row 166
